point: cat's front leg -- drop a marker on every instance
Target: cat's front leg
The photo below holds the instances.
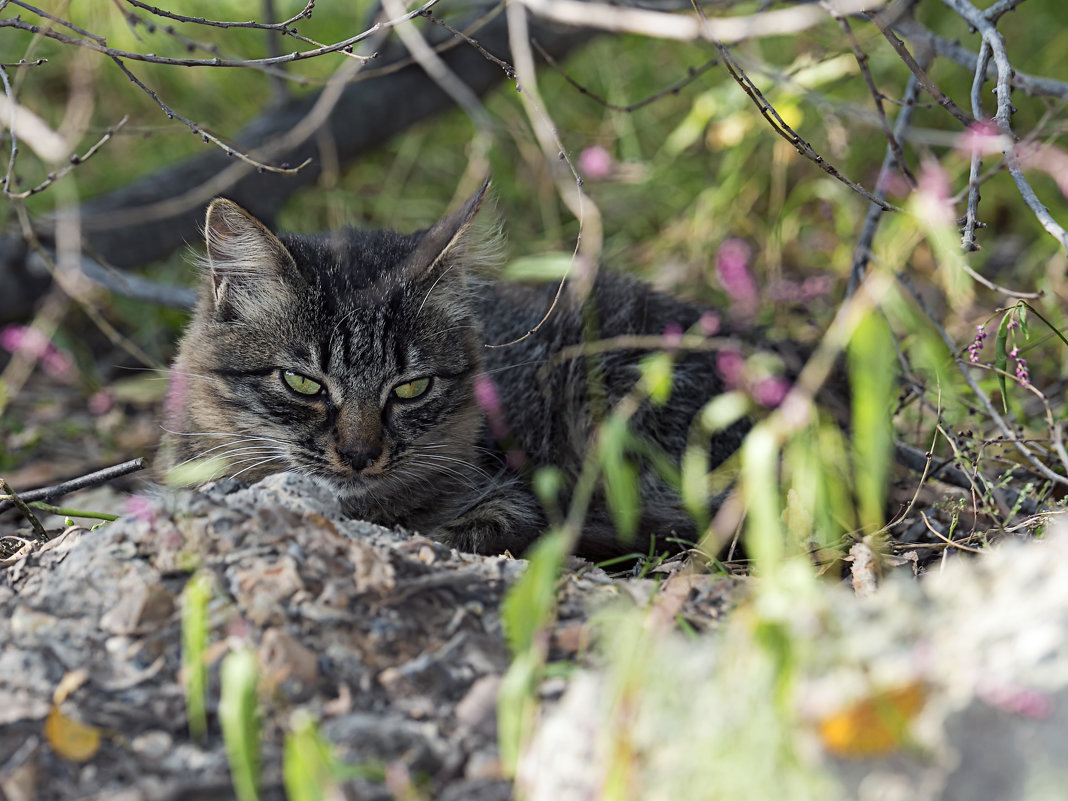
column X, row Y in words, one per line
column 510, row 519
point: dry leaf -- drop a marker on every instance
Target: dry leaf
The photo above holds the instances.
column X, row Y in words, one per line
column 874, row 726
column 69, row 738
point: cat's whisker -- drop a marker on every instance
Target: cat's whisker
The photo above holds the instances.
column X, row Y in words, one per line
column 255, row 465
column 437, row 281
column 254, row 442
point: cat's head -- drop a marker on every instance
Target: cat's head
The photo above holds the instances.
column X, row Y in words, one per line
column 349, row 356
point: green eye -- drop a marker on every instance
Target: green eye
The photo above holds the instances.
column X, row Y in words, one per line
column 301, row 383
column 413, row 389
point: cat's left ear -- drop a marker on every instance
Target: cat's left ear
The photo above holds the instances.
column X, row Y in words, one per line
column 249, row 265
column 445, row 236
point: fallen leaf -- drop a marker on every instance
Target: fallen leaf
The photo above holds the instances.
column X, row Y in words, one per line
column 874, row 726
column 70, row 739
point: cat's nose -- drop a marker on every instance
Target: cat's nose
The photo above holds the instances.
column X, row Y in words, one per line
column 361, row 456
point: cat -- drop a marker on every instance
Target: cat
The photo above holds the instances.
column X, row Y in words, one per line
column 359, row 357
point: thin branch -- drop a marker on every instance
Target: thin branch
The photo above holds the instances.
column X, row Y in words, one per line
column 789, row 134
column 687, row 27
column 75, row 161
column 862, row 251
column 954, row 51
column 94, row 479
column 944, row 100
column 263, row 26
column 204, row 135
column 692, row 74
column 877, row 96
column 971, row 214
column 16, row 501
column 996, row 42
column 991, row 410
column 300, row 55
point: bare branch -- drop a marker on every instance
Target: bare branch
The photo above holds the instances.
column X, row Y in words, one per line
column 263, row 26
column 1003, row 118
column 87, row 481
column 687, row 27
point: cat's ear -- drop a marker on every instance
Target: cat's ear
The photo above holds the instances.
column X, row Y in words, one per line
column 445, row 236
column 248, row 264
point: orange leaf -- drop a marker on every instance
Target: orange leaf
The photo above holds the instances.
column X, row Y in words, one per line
column 69, row 738
column 874, row 726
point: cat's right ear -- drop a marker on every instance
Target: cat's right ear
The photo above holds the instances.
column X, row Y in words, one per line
column 248, row 263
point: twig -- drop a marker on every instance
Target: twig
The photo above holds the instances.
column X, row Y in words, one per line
column 862, row 251
column 300, row 55
column 991, row 410
column 789, row 134
column 65, row 488
column 687, row 28
column 1003, row 118
column 207, row 137
column 971, row 214
column 74, row 162
column 944, row 100
column 944, row 538
column 19, row 503
column 24, row 63
column 263, row 26
column 862, row 62
column 940, row 46
column 692, row 74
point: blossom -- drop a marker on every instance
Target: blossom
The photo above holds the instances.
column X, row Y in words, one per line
column 596, row 163
column 732, row 268
column 977, row 344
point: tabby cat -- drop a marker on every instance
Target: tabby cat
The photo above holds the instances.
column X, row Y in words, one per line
column 359, row 358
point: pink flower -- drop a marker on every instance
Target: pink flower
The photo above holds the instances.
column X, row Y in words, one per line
column 982, row 137
column 730, row 365
column 101, row 402
column 672, row 336
column 770, row 392
column 596, row 163
column 933, row 194
column 732, row 267
column 177, row 391
column 489, row 401
column 710, row 323
column 140, row 507
column 29, row 340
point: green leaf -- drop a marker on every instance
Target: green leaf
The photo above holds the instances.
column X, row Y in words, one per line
column 529, row 603
column 657, row 372
column 239, row 717
column 308, row 762
column 1001, row 358
column 195, row 598
column 620, row 477
column 872, row 376
column 541, row 268
column 723, row 411
column 694, row 483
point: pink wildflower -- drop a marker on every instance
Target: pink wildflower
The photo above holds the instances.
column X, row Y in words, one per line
column 977, row 345
column 29, row 340
column 140, row 507
column 596, row 163
column 732, row 267
column 101, row 402
column 672, row 336
column 933, row 193
column 982, row 138
column 489, row 401
column 770, row 392
column 731, row 367
column 710, row 323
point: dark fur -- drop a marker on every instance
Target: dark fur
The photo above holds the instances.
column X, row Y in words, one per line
column 362, row 311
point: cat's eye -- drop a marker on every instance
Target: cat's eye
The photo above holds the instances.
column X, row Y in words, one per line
column 301, row 384
column 412, row 389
